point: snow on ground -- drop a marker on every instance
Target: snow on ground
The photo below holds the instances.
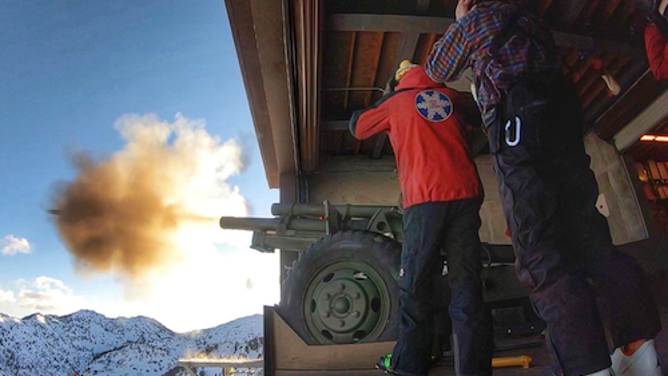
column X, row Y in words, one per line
column 86, row 343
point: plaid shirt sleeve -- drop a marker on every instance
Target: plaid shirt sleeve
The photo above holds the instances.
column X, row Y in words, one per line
column 449, row 56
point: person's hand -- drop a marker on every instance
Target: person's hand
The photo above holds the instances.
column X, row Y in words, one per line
column 463, row 7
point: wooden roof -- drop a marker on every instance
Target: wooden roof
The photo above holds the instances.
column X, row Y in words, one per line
column 341, row 52
column 364, row 41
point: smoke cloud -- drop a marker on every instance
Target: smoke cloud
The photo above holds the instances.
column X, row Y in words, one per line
column 126, row 215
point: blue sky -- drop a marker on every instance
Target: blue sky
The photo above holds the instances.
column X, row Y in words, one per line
column 69, row 70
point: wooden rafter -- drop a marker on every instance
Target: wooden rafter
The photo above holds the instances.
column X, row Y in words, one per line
column 435, row 25
column 545, row 6
column 349, row 70
column 571, row 10
column 609, row 10
column 406, row 51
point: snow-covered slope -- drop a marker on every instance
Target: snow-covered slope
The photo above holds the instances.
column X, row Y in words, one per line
column 86, row 343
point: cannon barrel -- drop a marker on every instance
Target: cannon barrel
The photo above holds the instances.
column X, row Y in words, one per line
column 353, row 211
column 491, row 253
column 271, row 224
column 305, row 217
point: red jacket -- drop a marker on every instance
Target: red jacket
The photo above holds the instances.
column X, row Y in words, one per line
column 656, row 45
column 425, row 125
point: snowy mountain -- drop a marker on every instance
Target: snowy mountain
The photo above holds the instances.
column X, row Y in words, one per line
column 87, row 343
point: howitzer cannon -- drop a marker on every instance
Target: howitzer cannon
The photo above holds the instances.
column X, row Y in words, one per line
column 342, row 288
column 295, row 227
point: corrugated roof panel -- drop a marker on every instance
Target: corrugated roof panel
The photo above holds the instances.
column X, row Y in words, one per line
column 337, row 71
column 423, row 48
column 368, row 47
column 392, row 44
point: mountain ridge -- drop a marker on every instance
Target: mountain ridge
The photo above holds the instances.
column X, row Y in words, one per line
column 87, row 343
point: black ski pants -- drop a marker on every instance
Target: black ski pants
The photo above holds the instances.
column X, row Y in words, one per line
column 428, row 228
column 561, row 241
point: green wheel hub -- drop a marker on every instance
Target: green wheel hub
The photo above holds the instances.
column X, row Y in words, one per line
column 346, row 302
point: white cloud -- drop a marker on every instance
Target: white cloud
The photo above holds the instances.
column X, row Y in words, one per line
column 43, row 294
column 49, row 284
column 12, row 245
column 207, row 289
column 7, row 296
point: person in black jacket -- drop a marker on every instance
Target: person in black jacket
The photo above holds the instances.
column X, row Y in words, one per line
column 534, row 124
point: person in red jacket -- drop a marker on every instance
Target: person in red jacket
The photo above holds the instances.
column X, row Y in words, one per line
column 442, row 195
column 656, row 44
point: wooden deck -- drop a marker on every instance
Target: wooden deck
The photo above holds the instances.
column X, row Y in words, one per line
column 289, row 355
column 541, row 365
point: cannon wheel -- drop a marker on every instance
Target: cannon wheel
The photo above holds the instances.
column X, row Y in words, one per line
column 343, row 289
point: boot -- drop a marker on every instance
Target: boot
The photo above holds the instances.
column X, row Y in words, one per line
column 643, row 362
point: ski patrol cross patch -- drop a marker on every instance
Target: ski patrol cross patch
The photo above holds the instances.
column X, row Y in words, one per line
column 433, row 105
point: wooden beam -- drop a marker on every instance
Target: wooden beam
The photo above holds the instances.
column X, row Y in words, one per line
column 437, row 25
column 307, row 40
column 571, row 10
column 610, row 9
column 591, row 7
column 373, row 64
column 335, row 125
column 369, row 45
column 639, row 95
column 408, row 45
column 410, row 40
column 349, row 69
column 242, row 24
column 422, row 6
column 388, row 23
column 624, row 108
column 586, row 43
column 406, row 51
column 544, row 6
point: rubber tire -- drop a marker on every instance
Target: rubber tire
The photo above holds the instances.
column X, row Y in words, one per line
column 377, row 251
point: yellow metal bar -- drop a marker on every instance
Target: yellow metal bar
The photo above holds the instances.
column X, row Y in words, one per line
column 523, row 361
